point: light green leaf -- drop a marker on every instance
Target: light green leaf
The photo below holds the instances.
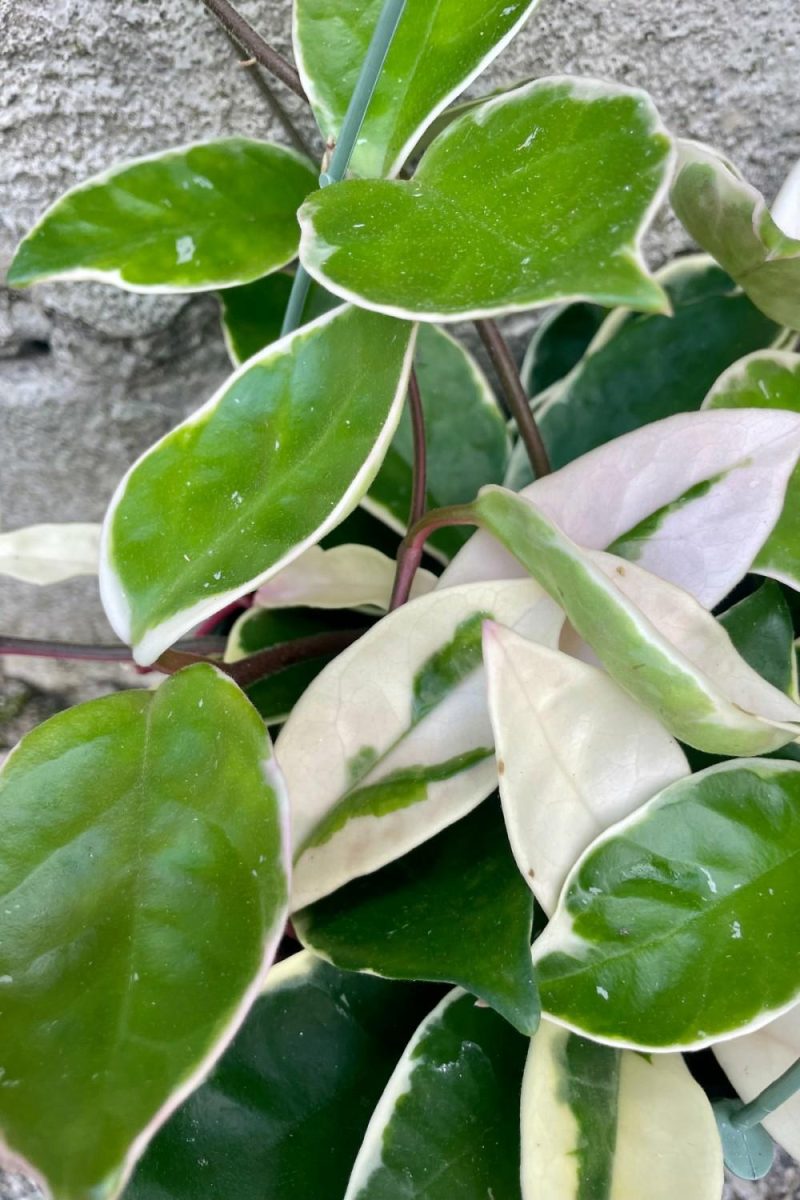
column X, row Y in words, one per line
column 278, row 457
column 730, row 219
column 50, row 553
column 761, row 629
column 252, row 315
column 575, row 754
column 658, row 643
column 695, row 496
column 436, row 52
column 392, row 742
column 769, row 380
column 202, row 216
column 559, row 343
column 642, row 368
column 678, row 927
column 454, row 910
column 541, row 194
column 348, row 576
column 284, row 1113
column 145, row 891
column 754, row 1061
column 597, row 1122
column 465, row 437
column 448, row 1123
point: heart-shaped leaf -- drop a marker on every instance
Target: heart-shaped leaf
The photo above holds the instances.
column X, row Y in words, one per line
column 596, row 1122
column 284, row 1112
column 279, row 456
column 50, row 553
column 454, row 910
column 411, row 749
column 144, row 876
column 436, row 51
column 541, row 194
column 678, row 927
column 652, row 637
column 730, row 219
column 695, row 497
column 575, row 754
column 448, row 1123
column 203, row 216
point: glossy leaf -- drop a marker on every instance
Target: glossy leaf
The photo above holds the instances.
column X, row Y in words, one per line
column 187, row 220
column 678, row 927
column 252, row 315
column 454, row 910
column 695, row 496
column 50, row 553
column 644, row 368
column 730, row 219
column 653, row 638
column 448, row 1123
column 597, row 1122
column 575, row 754
column 435, row 53
column 769, row 380
column 559, row 343
column 278, row 457
column 145, row 891
column 786, row 209
column 465, row 437
column 754, row 1061
column 410, row 751
column 760, row 627
column 284, row 1112
column 349, row 576
column 539, row 195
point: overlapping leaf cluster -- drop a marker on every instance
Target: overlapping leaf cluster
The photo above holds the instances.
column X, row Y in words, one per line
column 581, row 733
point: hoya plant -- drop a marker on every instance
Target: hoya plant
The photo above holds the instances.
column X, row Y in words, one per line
column 528, row 659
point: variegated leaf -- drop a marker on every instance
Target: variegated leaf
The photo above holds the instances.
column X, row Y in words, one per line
column 50, row 553
column 348, row 576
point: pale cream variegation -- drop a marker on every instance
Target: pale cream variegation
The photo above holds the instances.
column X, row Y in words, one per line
column 754, row 1061
column 348, row 576
column 50, row 553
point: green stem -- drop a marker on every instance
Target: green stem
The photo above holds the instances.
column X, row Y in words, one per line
column 363, row 92
column 777, row 1093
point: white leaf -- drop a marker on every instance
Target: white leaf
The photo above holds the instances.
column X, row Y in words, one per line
column 349, row 576
column 50, row 553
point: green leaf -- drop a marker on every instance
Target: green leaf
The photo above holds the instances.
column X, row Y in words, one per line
column 565, row 777
column 559, row 343
column 541, row 194
column 284, row 1113
column 145, row 892
column 695, row 495
column 448, row 1123
column 252, row 315
column 410, row 751
column 50, row 553
column 348, row 576
column 455, row 910
column 658, row 643
column 203, row 216
column 769, row 380
column 597, row 1122
column 278, row 457
column 645, row 367
column 754, row 1061
column 730, row 219
column 678, row 927
column 436, row 52
column 465, row 437
column 761, row 629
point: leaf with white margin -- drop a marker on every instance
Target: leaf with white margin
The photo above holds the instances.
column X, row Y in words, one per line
column 653, row 638
column 50, row 553
column 786, row 209
column 754, row 1061
column 284, row 1113
column 597, row 1121
column 448, row 1123
column 277, row 458
column 694, row 499
column 539, row 195
column 203, row 216
column 769, row 380
column 392, row 741
column 145, row 888
column 678, row 926
column 575, row 754
column 436, row 52
column 729, row 218
column 348, row 576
